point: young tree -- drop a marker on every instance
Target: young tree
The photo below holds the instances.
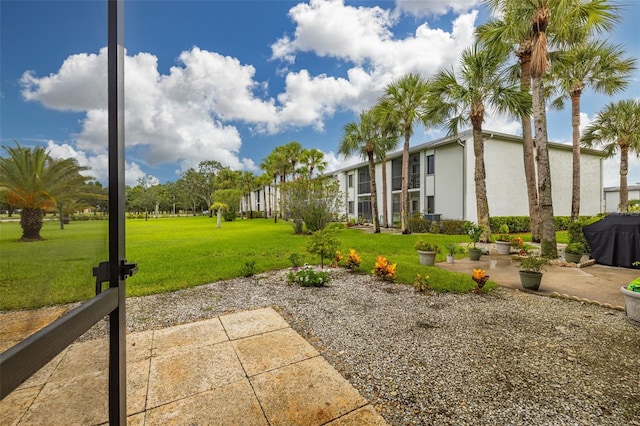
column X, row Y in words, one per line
column 403, row 103
column 462, row 97
column 617, row 128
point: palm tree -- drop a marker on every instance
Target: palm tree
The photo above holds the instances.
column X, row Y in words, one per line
column 561, row 23
column 513, row 34
column 403, row 103
column 389, row 140
column 617, row 127
column 33, row 182
column 463, row 97
column 248, row 185
column 293, row 152
column 360, row 137
column 598, row 65
column 313, row 159
column 270, row 166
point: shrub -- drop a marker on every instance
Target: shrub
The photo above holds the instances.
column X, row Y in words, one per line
column 475, row 232
column 533, row 263
column 418, row 225
column 295, row 259
column 422, row 245
column 229, row 215
column 575, row 248
column 308, row 277
column 384, row 270
column 452, row 249
column 434, row 228
column 248, row 270
column 421, row 283
column 453, row 227
column 335, row 225
column 354, row 260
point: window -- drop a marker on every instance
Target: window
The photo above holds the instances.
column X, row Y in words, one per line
column 431, row 164
column 364, row 181
column 431, row 201
column 350, row 180
column 350, row 208
column 414, row 173
column 364, row 207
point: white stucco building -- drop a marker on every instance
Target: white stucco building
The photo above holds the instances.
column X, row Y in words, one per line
column 612, row 197
column 441, row 179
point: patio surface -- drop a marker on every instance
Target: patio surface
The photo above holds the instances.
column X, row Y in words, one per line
column 245, row 368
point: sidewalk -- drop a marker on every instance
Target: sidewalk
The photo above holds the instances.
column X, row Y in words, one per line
column 595, row 283
column 247, row 368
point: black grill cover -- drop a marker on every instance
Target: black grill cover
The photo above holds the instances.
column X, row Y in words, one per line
column 615, row 239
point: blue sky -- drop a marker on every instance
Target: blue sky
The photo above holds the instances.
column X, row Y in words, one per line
column 230, row 80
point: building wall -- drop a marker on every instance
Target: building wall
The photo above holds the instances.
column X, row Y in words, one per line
column 453, row 186
column 612, row 197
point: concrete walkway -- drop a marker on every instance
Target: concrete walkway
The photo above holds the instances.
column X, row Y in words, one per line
column 247, row 368
column 596, row 283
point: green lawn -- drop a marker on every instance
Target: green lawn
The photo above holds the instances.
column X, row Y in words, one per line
column 175, row 253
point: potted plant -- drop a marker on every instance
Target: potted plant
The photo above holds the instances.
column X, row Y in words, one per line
column 427, row 252
column 452, row 248
column 503, row 242
column 574, row 251
column 531, row 268
column 631, row 295
column 475, row 232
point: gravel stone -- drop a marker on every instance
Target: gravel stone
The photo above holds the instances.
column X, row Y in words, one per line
column 507, row 357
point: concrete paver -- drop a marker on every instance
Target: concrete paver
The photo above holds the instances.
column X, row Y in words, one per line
column 245, row 368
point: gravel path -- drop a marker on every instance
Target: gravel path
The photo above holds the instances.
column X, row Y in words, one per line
column 424, row 359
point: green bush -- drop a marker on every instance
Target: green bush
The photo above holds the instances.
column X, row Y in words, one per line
column 453, row 227
column 248, row 269
column 308, row 277
column 516, row 224
column 229, row 215
column 418, row 225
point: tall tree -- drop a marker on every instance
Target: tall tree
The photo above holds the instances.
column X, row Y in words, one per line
column 389, row 140
column 560, row 24
column 248, row 185
column 511, row 33
column 270, row 166
column 617, row 128
column 313, row 159
column 462, row 97
column 360, row 137
column 593, row 64
column 33, row 180
column 293, row 152
column 403, row 103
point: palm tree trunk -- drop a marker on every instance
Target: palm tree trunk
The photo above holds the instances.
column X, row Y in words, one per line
column 264, row 199
column 575, row 187
column 548, row 231
column 385, row 207
column 374, row 193
column 480, row 178
column 528, row 146
column 31, row 223
column 404, row 196
column 624, row 170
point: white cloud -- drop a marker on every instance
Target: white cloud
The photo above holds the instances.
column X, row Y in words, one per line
column 611, row 170
column 363, row 37
column 434, row 7
column 335, row 162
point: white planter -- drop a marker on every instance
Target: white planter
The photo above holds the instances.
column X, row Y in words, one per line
column 450, row 259
column 632, row 304
column 503, row 247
